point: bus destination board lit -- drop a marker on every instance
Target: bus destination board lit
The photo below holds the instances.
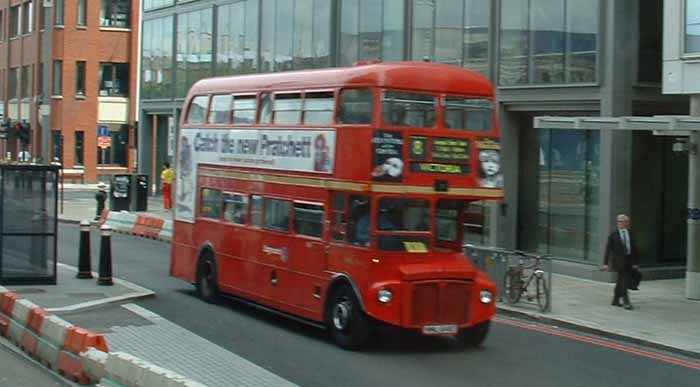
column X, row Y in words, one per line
column 451, row 149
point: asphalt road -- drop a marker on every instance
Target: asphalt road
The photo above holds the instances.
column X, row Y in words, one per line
column 513, row 355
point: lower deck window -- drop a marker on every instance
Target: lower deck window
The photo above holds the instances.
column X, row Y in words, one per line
column 308, row 219
column 210, row 203
column 277, row 214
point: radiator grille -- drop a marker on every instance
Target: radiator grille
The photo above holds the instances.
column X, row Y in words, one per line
column 440, row 303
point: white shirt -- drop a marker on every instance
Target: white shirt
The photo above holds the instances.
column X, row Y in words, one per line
column 624, row 236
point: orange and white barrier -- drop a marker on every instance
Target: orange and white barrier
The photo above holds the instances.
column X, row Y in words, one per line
column 144, row 226
column 47, row 338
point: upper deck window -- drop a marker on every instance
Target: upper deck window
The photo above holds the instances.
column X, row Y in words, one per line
column 220, row 110
column 468, row 114
column 318, row 108
column 409, row 109
column 287, row 108
column 198, row 109
column 356, row 106
column 244, row 107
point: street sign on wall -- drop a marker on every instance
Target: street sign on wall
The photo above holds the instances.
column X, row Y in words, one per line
column 104, row 142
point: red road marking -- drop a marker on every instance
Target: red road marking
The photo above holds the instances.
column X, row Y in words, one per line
column 602, row 342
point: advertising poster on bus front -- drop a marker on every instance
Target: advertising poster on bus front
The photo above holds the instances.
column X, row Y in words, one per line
column 311, row 151
column 490, row 174
column 387, row 152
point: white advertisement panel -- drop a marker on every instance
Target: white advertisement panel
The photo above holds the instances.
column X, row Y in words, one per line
column 289, row 150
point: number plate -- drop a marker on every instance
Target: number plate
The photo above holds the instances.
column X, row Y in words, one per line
column 440, row 330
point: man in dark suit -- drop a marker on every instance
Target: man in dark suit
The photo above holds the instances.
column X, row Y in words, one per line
column 621, row 256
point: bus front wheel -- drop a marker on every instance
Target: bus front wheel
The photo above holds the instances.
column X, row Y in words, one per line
column 207, row 286
column 474, row 336
column 349, row 326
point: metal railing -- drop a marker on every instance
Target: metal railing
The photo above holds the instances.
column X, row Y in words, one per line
column 519, row 276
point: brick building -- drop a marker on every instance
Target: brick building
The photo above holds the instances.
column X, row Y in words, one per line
column 92, row 82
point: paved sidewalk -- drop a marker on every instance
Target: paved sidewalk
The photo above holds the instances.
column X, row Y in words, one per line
column 662, row 317
column 79, row 204
column 139, row 332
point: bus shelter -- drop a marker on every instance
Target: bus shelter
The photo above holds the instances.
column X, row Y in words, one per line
column 686, row 132
column 28, row 224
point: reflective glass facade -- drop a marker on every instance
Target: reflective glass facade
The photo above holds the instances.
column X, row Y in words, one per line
column 548, row 41
column 371, row 30
column 692, row 26
column 562, row 185
column 455, row 32
column 295, row 34
column 237, row 38
column 157, row 58
column 193, row 53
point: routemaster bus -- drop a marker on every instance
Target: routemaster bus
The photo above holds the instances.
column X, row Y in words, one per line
column 339, row 196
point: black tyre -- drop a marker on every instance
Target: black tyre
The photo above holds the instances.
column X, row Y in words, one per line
column 513, row 286
column 542, row 296
column 348, row 325
column 207, row 285
column 474, row 336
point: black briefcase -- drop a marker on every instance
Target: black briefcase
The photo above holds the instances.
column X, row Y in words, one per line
column 635, row 279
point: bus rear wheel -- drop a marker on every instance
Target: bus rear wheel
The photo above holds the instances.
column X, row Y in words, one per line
column 474, row 336
column 349, row 326
column 207, row 286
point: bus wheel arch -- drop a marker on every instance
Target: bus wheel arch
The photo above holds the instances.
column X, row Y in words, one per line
column 207, row 278
column 344, row 315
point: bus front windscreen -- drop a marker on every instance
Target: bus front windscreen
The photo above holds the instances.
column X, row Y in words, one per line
column 404, row 224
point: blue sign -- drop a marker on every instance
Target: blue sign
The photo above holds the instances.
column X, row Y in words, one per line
column 102, row 131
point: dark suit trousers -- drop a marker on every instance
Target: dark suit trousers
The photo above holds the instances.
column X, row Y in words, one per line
column 623, row 278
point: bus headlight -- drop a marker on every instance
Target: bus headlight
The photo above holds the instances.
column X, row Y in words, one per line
column 486, row 297
column 385, row 295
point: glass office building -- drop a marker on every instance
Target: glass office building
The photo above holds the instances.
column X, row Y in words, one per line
column 547, row 57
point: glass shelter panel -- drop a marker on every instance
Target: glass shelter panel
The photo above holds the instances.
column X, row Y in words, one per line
column 28, row 224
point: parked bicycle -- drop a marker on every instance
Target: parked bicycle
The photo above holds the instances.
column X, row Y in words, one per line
column 528, row 281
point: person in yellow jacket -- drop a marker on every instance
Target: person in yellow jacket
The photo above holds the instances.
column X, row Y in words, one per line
column 167, row 177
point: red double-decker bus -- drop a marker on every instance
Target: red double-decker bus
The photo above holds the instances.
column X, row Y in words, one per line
column 339, row 195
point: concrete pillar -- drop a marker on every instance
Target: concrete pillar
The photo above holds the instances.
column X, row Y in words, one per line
column 692, row 277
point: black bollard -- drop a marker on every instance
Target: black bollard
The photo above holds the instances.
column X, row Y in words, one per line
column 105, row 278
column 84, row 270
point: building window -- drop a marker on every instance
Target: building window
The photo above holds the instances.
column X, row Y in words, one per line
column 114, row 79
column 692, row 26
column 194, row 48
column 15, row 21
column 153, row 4
column 237, row 38
column 372, row 30
column 548, row 42
column 79, row 148
column 57, row 145
column 454, row 32
column 59, row 14
column 117, row 153
column 26, row 82
column 650, row 41
column 115, row 13
column 157, row 58
column 57, row 77
column 295, row 35
column 27, row 17
column 2, row 26
column 13, row 84
column 80, row 70
column 82, row 13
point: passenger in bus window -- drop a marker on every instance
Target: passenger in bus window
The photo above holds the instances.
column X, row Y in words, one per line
column 360, row 220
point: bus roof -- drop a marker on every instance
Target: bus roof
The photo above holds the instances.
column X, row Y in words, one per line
column 416, row 76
